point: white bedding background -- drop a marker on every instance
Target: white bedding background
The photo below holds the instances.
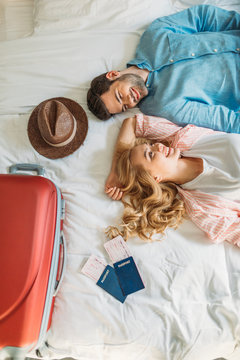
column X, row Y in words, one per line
column 190, row 308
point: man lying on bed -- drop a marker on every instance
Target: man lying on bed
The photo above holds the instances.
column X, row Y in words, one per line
column 186, row 69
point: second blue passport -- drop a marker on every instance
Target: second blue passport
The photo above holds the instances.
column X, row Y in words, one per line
column 128, row 276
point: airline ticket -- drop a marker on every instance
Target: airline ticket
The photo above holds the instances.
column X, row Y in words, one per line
column 94, row 267
column 117, row 249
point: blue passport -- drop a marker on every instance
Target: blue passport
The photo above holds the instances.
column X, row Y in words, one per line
column 128, row 276
column 109, row 282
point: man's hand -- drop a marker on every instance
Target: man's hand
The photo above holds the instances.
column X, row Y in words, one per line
column 113, row 187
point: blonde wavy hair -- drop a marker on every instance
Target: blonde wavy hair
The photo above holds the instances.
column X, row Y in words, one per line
column 149, row 207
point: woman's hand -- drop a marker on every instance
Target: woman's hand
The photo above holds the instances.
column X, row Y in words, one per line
column 113, row 187
column 126, row 138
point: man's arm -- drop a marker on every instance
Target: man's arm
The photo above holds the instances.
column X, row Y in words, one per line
column 199, row 18
column 216, row 117
column 126, row 138
column 176, row 37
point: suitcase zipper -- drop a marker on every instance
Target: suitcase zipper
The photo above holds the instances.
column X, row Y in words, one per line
column 52, row 289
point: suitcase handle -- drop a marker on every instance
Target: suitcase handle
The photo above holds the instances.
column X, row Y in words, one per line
column 27, row 167
column 63, row 261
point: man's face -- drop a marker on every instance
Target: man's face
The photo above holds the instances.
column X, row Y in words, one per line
column 124, row 93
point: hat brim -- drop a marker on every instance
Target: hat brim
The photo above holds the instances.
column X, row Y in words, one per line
column 52, row 152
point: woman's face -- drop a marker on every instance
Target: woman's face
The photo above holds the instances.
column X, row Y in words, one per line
column 157, row 159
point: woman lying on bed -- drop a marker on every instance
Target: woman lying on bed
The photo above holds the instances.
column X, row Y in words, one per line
column 181, row 169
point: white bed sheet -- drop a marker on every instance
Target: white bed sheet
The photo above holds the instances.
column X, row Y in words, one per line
column 190, row 307
column 16, row 19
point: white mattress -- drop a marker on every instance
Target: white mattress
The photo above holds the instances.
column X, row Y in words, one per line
column 189, row 309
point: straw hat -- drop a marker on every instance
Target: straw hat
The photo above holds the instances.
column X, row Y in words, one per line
column 57, row 127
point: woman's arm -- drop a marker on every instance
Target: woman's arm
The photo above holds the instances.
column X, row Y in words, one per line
column 159, row 129
column 218, row 217
column 126, row 138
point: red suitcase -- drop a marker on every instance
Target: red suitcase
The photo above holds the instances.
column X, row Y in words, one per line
column 32, row 258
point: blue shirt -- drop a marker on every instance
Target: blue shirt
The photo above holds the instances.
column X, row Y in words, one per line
column 194, row 61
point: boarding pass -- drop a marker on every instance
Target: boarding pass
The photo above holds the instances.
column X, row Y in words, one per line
column 94, row 267
column 117, row 249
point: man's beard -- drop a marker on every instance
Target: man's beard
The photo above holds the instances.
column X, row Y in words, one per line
column 135, row 81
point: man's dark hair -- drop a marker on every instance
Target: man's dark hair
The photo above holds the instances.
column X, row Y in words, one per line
column 99, row 86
